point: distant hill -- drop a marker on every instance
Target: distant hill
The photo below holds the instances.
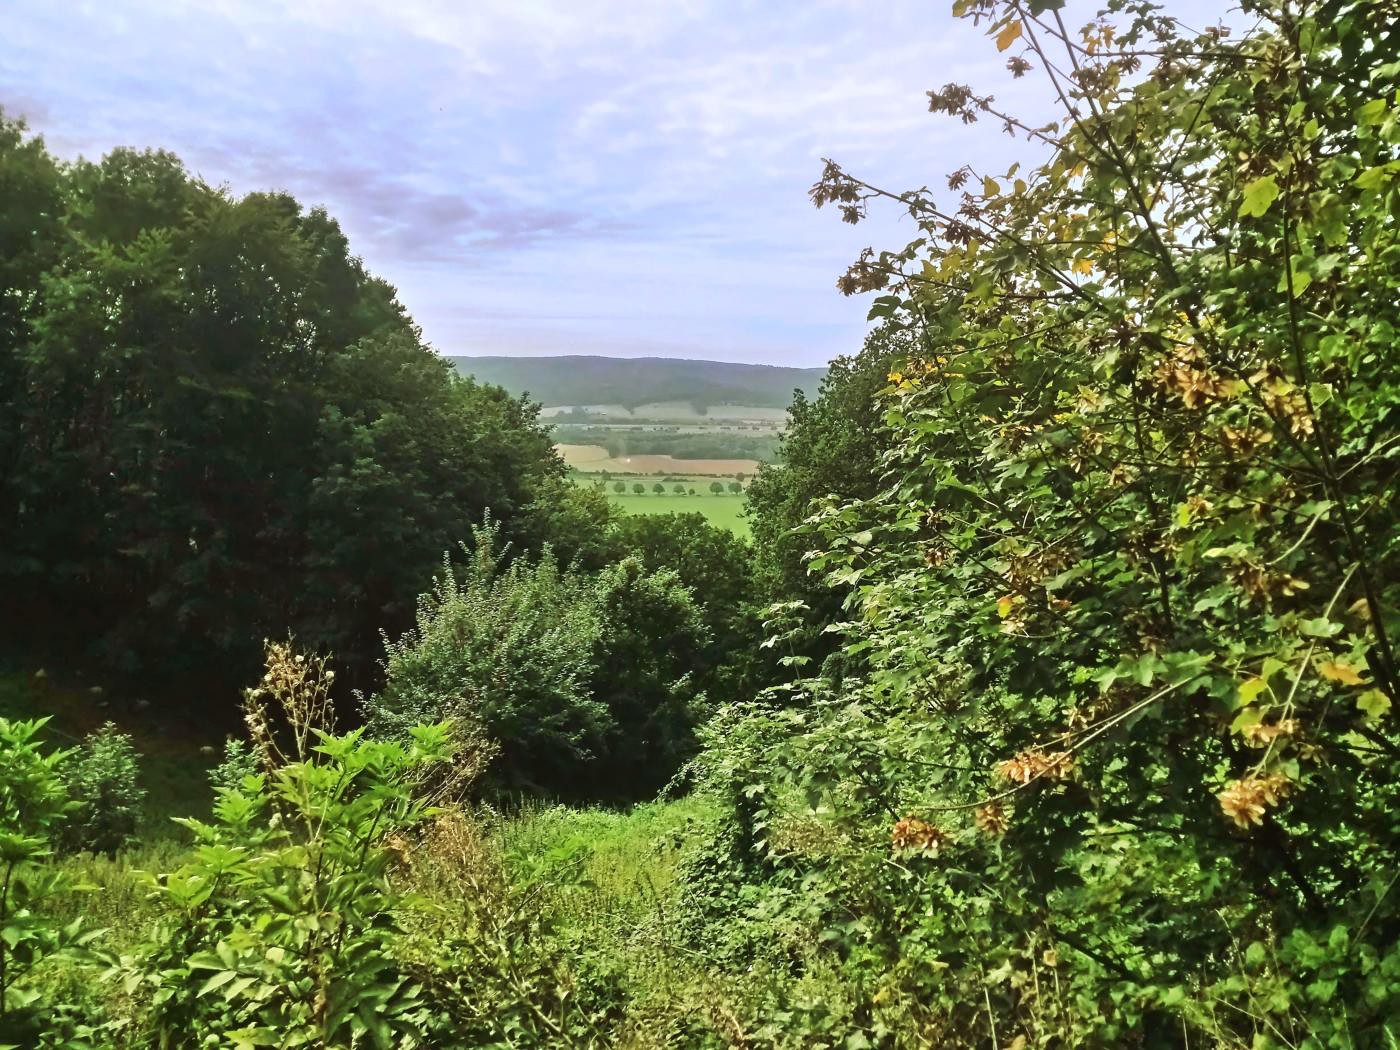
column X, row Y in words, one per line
column 580, row 380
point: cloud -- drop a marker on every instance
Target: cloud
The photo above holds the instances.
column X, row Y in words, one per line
column 542, row 175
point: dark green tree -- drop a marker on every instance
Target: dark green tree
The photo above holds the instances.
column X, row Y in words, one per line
column 218, row 426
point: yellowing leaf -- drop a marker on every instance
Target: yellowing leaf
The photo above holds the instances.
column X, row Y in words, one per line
column 1373, row 704
column 1004, row 605
column 990, row 186
column 1084, row 266
column 1336, row 671
column 1009, row 34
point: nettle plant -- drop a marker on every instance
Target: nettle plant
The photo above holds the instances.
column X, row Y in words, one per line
column 283, row 922
column 1124, row 753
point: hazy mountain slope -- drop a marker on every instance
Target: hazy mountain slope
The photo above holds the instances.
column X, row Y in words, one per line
column 579, row 380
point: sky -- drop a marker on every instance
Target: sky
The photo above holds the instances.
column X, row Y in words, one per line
column 621, row 177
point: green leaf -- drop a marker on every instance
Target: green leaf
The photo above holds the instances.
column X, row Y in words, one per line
column 1258, row 196
column 1373, row 704
column 1372, row 112
column 216, row 982
column 1250, row 689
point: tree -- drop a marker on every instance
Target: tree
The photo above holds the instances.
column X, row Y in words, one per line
column 1129, row 571
column 831, row 449
column 717, row 567
column 679, row 490
column 638, row 488
column 218, row 426
column 619, row 487
column 659, row 489
column 716, row 488
column 735, row 487
column 652, row 635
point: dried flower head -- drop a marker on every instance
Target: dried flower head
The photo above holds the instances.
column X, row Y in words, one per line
column 992, row 819
column 1246, row 800
column 1034, row 765
column 1262, row 734
column 913, row 835
column 300, row 688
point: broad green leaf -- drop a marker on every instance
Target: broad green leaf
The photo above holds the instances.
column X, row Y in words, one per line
column 1258, row 196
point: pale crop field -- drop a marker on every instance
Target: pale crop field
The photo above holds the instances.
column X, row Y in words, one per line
column 594, row 458
column 669, row 411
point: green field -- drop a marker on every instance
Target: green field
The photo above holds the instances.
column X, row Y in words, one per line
column 727, row 510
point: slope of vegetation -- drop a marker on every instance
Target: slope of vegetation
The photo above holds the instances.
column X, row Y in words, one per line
column 1056, row 707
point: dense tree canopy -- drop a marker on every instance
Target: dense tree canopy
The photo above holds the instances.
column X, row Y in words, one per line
column 216, row 425
column 831, row 451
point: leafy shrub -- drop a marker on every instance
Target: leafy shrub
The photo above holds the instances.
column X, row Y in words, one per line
column 282, row 924
column 239, row 763
column 581, row 680
column 508, row 647
column 34, row 803
column 1114, row 758
column 102, row 778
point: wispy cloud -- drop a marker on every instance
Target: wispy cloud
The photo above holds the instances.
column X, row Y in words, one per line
column 541, row 176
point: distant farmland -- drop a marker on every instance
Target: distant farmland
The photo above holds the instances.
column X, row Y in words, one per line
column 595, row 459
column 726, row 511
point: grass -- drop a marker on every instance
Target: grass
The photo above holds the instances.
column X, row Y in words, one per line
column 726, row 511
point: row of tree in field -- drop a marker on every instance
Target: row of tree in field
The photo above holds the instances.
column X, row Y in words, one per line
column 716, row 488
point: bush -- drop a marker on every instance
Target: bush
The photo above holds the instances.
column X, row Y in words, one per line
column 34, row 804
column 583, row 681
column 238, row 764
column 102, row 779
column 282, row 925
column 508, row 647
column 1112, row 760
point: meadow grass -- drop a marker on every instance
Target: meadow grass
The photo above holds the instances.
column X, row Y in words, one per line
column 726, row 511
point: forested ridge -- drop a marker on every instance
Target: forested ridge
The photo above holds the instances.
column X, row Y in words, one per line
column 578, row 380
column 1053, row 703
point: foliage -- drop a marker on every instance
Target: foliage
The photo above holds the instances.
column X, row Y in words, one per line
column 239, row 763
column 1120, row 764
column 215, row 424
column 507, row 646
column 717, row 567
column 103, row 779
column 280, row 925
column 34, row 804
column 650, row 648
column 831, row 449
column 581, row 679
